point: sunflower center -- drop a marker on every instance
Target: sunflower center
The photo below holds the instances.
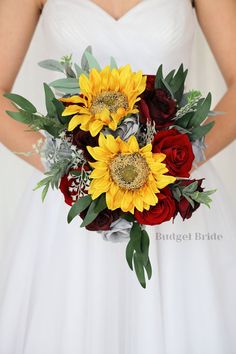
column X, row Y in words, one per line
column 129, row 171
column 111, row 100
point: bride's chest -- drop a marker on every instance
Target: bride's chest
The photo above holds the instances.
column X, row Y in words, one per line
column 155, row 28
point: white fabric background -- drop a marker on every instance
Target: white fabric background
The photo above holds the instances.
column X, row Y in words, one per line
column 15, row 174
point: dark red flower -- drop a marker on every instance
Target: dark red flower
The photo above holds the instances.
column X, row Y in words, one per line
column 183, row 206
column 69, row 187
column 81, row 139
column 163, row 211
column 103, row 221
column 178, row 150
column 157, row 105
column 150, row 82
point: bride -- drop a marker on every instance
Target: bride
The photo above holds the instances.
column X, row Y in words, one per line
column 64, row 290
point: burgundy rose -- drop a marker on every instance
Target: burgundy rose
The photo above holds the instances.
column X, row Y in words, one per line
column 81, row 139
column 183, row 206
column 68, row 186
column 163, row 211
column 150, row 82
column 157, row 105
column 178, row 150
column 103, row 220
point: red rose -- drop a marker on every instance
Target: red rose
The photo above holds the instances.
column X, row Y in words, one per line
column 183, row 206
column 178, row 150
column 157, row 105
column 69, row 187
column 103, row 220
column 163, row 211
column 81, row 139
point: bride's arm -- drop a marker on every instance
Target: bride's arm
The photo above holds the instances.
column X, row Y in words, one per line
column 18, row 20
column 218, row 22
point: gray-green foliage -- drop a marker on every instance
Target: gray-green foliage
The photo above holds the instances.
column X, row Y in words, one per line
column 191, row 194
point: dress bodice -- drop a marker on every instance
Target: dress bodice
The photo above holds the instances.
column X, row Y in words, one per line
column 153, row 32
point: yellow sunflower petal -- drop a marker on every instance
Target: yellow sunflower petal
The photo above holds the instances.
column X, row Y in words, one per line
column 85, row 85
column 95, row 127
column 74, row 122
column 72, row 99
column 72, row 109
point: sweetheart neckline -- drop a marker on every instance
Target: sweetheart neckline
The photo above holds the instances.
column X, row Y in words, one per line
column 91, row 3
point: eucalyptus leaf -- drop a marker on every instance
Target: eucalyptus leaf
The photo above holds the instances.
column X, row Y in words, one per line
column 92, row 62
column 84, row 60
column 51, row 64
column 69, row 83
column 113, row 64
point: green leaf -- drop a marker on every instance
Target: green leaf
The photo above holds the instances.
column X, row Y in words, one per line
column 199, row 132
column 202, row 112
column 129, row 254
column 184, row 120
column 92, row 62
column 21, row 102
column 21, row 116
column 159, row 77
column 191, row 187
column 176, row 193
column 189, row 199
column 51, row 64
column 177, row 84
column 167, row 87
column 170, row 76
column 80, row 205
column 49, row 96
column 100, row 204
column 139, row 270
column 45, row 190
column 94, row 209
column 203, row 197
column 135, row 235
column 145, row 242
column 148, row 268
column 59, row 107
column 42, row 183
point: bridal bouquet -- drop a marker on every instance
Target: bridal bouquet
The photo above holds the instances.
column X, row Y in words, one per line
column 120, row 146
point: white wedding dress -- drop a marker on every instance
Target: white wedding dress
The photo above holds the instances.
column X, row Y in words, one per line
column 64, row 290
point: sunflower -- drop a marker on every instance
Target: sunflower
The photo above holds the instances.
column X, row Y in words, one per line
column 130, row 176
column 106, row 97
